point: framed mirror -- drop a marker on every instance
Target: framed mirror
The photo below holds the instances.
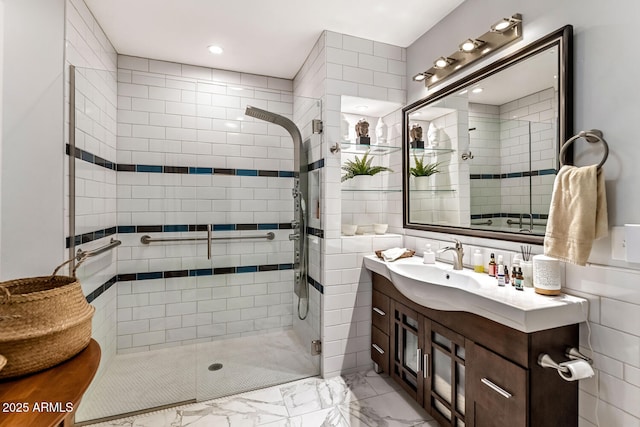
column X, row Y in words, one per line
column 480, row 155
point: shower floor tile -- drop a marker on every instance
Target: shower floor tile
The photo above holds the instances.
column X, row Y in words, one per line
column 139, row 381
column 357, row 400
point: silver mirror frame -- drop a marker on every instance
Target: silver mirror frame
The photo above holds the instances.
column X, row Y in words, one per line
column 563, row 39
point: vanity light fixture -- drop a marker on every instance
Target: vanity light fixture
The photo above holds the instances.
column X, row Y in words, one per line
column 500, row 34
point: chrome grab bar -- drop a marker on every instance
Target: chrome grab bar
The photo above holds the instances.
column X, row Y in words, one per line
column 519, row 223
column 487, row 222
column 146, row 239
column 86, row 254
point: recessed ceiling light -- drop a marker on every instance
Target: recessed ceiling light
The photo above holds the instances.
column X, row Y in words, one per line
column 361, row 107
column 463, row 92
column 216, row 50
column 477, row 90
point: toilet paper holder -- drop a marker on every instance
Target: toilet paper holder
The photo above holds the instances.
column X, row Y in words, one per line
column 571, row 353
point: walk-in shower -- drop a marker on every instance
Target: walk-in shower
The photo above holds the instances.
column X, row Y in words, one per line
column 214, row 289
column 300, row 197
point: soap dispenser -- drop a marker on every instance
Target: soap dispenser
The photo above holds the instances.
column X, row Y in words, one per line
column 428, row 257
column 478, row 262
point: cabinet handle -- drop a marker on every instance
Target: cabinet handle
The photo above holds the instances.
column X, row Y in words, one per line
column 378, row 349
column 418, row 360
column 380, row 312
column 502, row 392
column 426, row 369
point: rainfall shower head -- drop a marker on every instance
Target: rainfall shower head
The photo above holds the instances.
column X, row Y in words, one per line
column 267, row 116
column 279, row 120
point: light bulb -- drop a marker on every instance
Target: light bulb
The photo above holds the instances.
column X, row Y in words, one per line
column 216, row 50
column 468, row 45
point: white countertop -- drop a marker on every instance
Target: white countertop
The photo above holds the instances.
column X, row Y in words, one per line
column 439, row 287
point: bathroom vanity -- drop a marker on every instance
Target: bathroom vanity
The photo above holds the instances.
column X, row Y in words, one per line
column 465, row 368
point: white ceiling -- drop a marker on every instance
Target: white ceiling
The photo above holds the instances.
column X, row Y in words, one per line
column 268, row 37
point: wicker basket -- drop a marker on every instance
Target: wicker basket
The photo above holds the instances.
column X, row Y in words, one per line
column 43, row 322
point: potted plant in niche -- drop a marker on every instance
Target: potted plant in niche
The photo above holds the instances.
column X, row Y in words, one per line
column 357, row 168
column 422, row 171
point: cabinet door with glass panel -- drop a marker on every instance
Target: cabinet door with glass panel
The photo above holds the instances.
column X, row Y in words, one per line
column 428, row 361
column 444, row 371
column 407, row 342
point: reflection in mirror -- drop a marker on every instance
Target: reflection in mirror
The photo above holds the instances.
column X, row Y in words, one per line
column 494, row 139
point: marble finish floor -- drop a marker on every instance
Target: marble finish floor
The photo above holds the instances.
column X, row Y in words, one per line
column 356, row 400
column 144, row 380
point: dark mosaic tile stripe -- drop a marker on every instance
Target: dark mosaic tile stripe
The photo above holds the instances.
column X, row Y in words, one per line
column 133, row 277
column 179, row 228
column 315, row 284
column 90, row 236
column 513, row 174
column 315, row 165
column 101, row 289
column 315, row 232
column 508, row 215
column 99, row 161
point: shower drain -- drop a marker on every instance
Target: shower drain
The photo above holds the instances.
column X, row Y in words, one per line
column 215, row 366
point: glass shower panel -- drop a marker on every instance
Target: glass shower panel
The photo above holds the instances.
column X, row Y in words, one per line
column 124, row 187
column 511, row 173
column 259, row 332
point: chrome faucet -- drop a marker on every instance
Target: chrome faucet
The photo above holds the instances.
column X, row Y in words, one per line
column 458, row 254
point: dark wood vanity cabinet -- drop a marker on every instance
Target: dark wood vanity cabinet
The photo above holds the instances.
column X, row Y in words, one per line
column 466, row 370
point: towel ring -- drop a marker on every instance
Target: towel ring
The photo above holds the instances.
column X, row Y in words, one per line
column 592, row 136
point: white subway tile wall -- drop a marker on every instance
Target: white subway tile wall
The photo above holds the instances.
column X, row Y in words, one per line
column 185, row 116
column 332, row 70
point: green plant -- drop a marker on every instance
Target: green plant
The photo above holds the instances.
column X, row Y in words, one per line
column 361, row 167
column 423, row 169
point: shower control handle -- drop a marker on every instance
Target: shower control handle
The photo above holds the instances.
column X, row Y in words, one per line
column 294, row 236
column 295, row 224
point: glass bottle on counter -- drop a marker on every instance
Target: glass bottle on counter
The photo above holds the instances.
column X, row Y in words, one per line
column 492, row 265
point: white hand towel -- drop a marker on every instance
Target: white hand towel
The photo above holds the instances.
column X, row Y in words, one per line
column 393, row 254
column 578, row 214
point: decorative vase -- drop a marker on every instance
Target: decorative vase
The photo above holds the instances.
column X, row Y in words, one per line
column 422, row 182
column 358, row 182
column 381, row 132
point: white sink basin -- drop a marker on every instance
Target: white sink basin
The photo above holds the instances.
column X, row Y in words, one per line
column 439, row 287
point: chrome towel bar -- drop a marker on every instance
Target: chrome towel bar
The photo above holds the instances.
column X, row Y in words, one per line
column 146, row 239
column 86, row 254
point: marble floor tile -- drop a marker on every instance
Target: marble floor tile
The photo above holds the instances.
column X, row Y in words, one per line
column 389, row 410
column 356, row 400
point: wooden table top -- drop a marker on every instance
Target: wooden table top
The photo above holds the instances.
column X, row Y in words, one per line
column 47, row 397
